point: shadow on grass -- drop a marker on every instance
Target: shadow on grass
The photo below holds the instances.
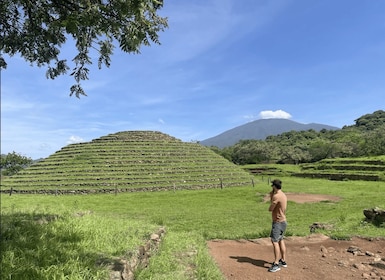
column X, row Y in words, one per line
column 40, row 246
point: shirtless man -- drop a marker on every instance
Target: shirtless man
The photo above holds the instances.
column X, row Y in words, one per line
column 278, row 204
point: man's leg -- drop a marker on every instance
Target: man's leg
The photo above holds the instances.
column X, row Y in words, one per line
column 276, row 246
column 275, row 266
column 282, row 249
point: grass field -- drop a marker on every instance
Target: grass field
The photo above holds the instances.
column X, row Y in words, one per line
column 66, row 237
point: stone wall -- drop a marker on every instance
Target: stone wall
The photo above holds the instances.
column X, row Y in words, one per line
column 115, row 190
column 124, row 268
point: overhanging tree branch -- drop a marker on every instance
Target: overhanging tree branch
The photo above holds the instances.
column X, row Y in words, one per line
column 37, row 29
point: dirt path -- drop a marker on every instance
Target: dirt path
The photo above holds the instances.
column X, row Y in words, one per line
column 313, row 257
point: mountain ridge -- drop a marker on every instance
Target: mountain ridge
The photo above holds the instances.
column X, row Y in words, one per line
column 259, row 130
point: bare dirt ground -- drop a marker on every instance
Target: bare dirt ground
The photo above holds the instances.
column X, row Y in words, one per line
column 313, row 257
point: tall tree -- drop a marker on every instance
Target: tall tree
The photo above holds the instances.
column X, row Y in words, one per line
column 13, row 162
column 37, row 30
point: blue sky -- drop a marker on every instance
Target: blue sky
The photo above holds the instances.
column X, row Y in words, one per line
column 221, row 64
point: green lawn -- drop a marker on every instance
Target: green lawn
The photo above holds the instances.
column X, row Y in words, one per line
column 43, row 238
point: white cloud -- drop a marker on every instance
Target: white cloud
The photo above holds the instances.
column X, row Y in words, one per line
column 75, row 139
column 279, row 114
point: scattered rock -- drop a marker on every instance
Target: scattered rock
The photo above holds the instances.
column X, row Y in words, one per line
column 154, row 237
column 343, row 263
column 360, row 266
column 370, row 254
column 331, row 249
column 322, row 226
column 378, row 265
column 323, row 249
column 375, row 215
column 354, row 250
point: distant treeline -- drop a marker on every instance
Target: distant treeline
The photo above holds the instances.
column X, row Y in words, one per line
column 365, row 138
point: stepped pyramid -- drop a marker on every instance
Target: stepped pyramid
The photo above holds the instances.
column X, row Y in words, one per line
column 127, row 161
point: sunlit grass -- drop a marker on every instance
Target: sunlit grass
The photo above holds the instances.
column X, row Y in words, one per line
column 81, row 245
column 66, row 237
column 183, row 255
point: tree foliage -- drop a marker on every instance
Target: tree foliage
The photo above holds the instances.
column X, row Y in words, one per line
column 13, row 162
column 365, row 138
column 252, row 151
column 37, row 30
column 371, row 121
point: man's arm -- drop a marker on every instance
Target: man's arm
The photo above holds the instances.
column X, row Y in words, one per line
column 273, row 203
